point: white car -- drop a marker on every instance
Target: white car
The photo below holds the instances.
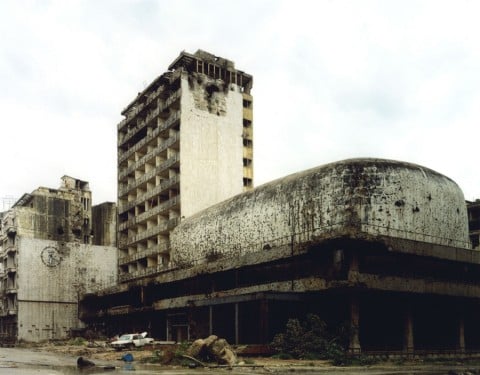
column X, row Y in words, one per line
column 131, row 340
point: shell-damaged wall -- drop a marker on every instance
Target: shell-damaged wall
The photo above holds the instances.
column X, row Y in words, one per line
column 377, row 197
column 210, row 143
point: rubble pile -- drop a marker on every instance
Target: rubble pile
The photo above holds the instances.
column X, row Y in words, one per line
column 213, row 348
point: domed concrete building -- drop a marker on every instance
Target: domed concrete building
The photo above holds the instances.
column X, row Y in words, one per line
column 382, row 245
column 353, row 198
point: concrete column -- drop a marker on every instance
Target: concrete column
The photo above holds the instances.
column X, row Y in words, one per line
column 461, row 334
column 210, row 320
column 354, row 346
column 353, row 268
column 408, row 343
column 263, row 324
column 236, row 324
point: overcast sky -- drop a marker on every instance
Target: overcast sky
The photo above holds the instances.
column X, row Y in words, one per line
column 332, row 80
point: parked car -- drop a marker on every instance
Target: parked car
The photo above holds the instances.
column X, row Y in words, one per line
column 131, row 340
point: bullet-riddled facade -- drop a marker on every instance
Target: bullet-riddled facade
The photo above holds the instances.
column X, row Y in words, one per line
column 186, row 143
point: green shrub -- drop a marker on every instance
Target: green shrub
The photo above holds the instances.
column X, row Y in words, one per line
column 311, row 339
column 77, row 341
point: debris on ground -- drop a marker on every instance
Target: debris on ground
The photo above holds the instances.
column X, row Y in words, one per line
column 214, row 349
column 84, row 363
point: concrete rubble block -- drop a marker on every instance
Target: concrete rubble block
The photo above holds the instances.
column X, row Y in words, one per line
column 197, row 348
column 215, row 348
column 222, row 352
column 210, row 340
column 228, row 357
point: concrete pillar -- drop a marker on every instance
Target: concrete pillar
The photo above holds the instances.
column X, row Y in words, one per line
column 408, row 343
column 236, row 324
column 210, row 320
column 263, row 324
column 353, row 268
column 461, row 334
column 354, row 345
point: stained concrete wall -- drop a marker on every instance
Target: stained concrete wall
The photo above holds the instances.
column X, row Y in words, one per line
column 48, row 294
column 351, row 197
column 54, row 214
column 104, row 224
column 210, row 142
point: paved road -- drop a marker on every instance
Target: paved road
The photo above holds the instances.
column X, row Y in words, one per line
column 14, row 361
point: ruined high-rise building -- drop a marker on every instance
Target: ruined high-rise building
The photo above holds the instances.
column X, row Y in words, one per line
column 184, row 145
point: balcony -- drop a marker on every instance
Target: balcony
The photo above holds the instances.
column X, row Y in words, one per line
column 10, row 249
column 149, row 175
column 142, row 123
column 166, row 226
column 11, row 269
column 167, row 184
column 151, row 212
column 157, row 249
column 10, row 289
column 174, row 117
column 8, row 311
column 156, row 151
column 10, row 229
column 153, row 96
column 142, row 273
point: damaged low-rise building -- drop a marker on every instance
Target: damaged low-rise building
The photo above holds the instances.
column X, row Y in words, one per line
column 382, row 245
column 49, row 259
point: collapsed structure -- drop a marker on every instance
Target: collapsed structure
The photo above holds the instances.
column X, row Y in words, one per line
column 48, row 260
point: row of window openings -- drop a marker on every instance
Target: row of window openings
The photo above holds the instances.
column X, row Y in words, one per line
column 85, row 202
column 153, row 106
column 168, row 213
column 151, row 126
column 143, row 134
column 139, row 154
column 164, row 93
